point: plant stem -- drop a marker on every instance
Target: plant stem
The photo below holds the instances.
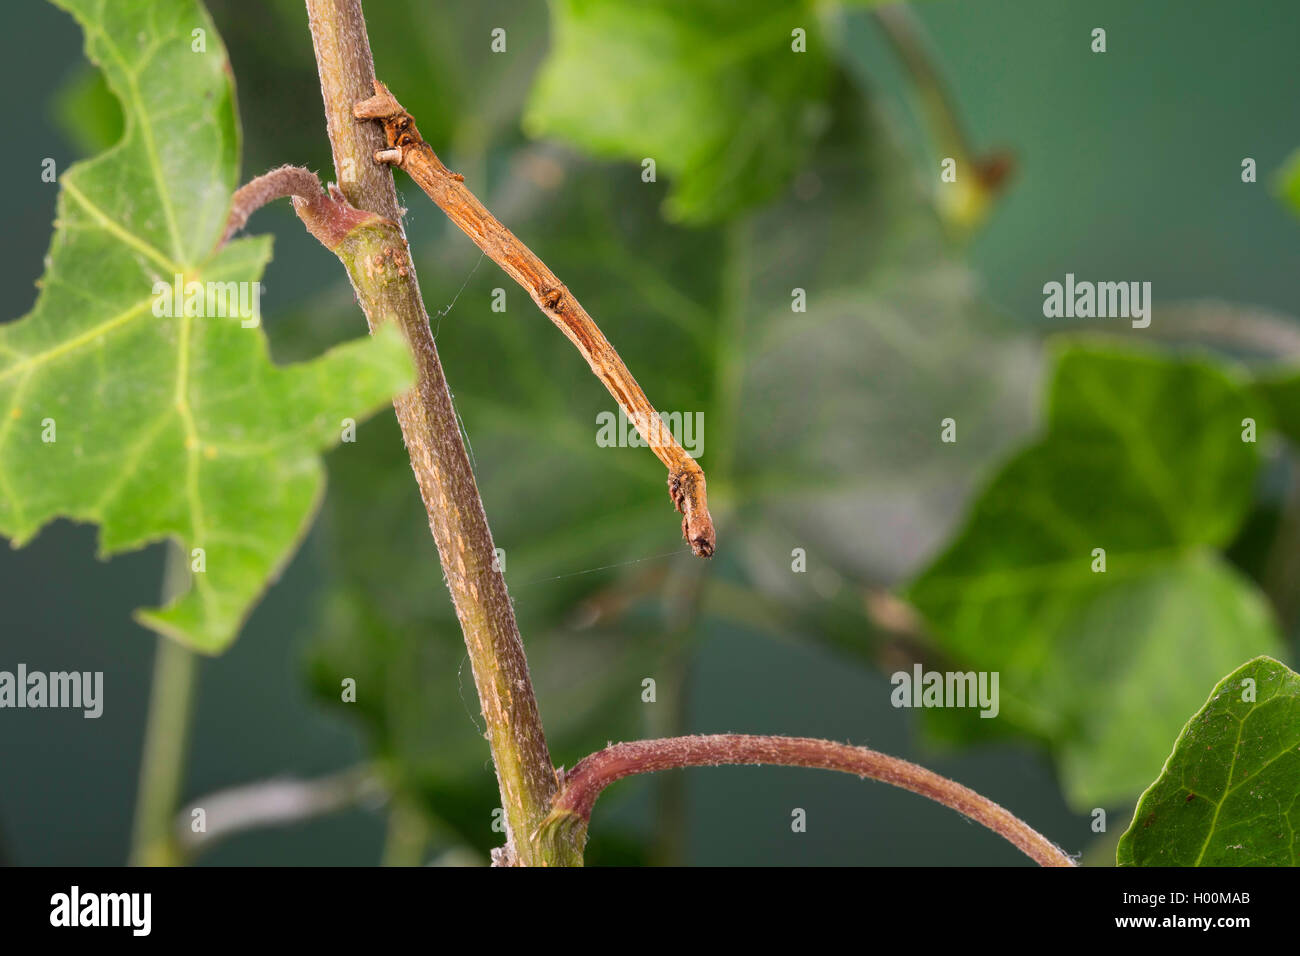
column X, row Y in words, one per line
column 162, row 766
column 277, row 184
column 273, row 803
column 407, row 838
column 682, row 593
column 983, row 176
column 384, row 278
column 566, row 827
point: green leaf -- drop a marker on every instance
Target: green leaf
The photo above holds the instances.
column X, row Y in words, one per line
column 1143, row 457
column 1228, row 793
column 168, row 425
column 720, row 102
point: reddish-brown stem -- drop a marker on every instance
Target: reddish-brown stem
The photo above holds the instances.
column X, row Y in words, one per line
column 584, row 783
column 329, row 216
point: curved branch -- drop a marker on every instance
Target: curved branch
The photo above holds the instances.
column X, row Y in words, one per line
column 328, row 216
column 567, row 824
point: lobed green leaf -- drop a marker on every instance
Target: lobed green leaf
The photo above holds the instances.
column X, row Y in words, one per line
column 159, row 419
column 1144, row 459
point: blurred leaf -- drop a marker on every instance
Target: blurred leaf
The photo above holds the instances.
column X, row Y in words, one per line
column 721, row 103
column 1227, row 794
column 1143, row 457
column 1281, row 390
column 87, row 112
column 1288, row 182
column 167, row 426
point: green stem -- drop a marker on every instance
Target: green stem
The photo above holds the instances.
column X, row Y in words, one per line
column 153, row 842
column 373, row 247
column 681, row 602
column 980, row 177
column 728, row 355
column 407, row 836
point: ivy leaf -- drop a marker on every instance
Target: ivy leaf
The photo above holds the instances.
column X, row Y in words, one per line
column 850, row 396
column 1144, row 458
column 723, row 105
column 1227, row 794
column 174, row 425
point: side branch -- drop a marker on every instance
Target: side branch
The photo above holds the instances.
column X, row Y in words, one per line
column 583, row 784
column 407, row 150
column 273, row 803
column 328, row 216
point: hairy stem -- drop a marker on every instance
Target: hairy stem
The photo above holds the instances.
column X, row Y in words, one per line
column 294, row 181
column 566, row 827
column 162, row 766
column 383, row 276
